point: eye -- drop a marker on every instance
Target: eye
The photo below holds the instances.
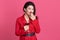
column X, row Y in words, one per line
column 29, row 8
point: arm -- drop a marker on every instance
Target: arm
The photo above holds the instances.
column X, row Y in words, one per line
column 36, row 25
column 17, row 28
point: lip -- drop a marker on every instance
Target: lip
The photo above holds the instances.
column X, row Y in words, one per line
column 30, row 12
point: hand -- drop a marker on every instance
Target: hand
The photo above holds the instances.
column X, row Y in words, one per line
column 32, row 16
column 26, row 27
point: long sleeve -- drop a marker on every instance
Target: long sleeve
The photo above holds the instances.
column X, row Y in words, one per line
column 36, row 25
column 17, row 28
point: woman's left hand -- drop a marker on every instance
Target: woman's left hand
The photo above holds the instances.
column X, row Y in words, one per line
column 32, row 16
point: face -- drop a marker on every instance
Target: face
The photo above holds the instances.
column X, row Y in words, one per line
column 29, row 10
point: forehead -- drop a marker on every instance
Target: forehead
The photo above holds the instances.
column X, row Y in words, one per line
column 30, row 6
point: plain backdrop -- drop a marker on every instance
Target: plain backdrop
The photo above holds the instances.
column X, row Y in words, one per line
column 48, row 12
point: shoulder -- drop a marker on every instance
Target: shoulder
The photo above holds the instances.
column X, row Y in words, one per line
column 19, row 18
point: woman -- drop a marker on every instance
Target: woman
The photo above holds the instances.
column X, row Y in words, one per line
column 27, row 25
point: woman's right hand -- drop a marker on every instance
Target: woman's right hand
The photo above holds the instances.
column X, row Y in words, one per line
column 26, row 27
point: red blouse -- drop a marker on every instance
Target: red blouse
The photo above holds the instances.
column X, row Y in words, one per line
column 33, row 27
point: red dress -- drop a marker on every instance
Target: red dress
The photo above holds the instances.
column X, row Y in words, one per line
column 33, row 27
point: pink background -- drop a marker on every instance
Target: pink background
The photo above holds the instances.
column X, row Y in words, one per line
column 48, row 12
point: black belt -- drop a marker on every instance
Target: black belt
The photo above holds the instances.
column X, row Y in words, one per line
column 29, row 34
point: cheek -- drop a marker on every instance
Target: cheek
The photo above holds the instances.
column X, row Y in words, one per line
column 32, row 10
column 28, row 10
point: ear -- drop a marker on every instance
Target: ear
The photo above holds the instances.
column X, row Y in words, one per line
column 24, row 9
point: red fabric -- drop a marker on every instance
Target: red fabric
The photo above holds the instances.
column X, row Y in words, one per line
column 33, row 27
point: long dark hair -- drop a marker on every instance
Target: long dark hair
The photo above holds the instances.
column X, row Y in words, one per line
column 29, row 3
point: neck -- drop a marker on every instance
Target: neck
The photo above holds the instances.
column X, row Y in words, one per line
column 26, row 16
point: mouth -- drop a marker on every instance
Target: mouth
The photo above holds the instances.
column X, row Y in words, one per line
column 30, row 12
